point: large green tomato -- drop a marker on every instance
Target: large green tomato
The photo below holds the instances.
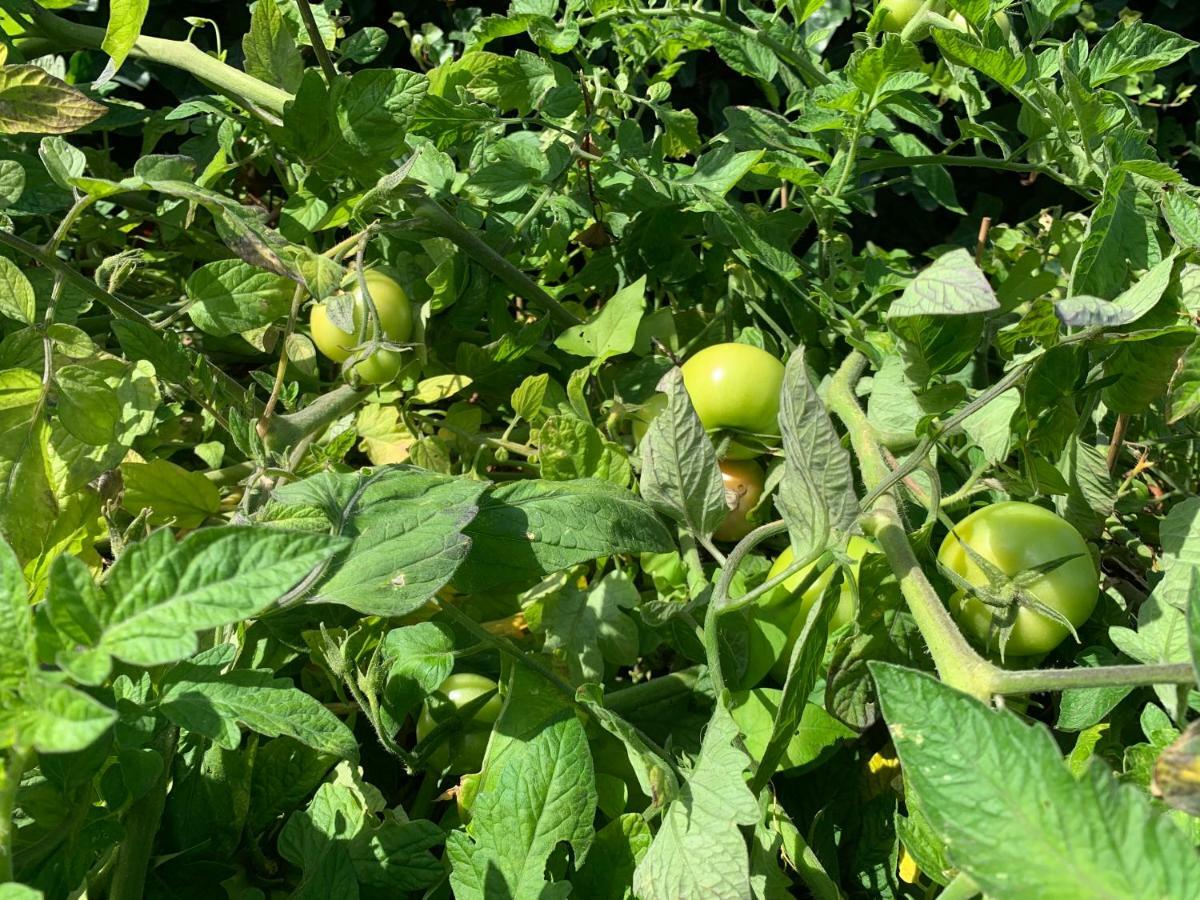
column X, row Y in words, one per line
column 1016, row 537
column 898, row 13
column 743, row 483
column 735, row 387
column 463, row 750
column 774, row 623
column 395, row 317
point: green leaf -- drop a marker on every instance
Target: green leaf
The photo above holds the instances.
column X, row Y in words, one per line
column 699, row 850
column 125, row 18
column 418, row 658
column 816, row 493
column 270, row 49
column 591, row 627
column 1184, row 397
column 12, row 182
column 611, row 331
column 1000, row 64
column 1120, row 237
column 107, row 401
column 1142, row 367
column 172, row 493
column 544, row 794
column 680, row 478
column 1011, row 813
column 406, row 531
column 530, row 396
column 204, row 696
column 569, row 448
column 52, row 717
column 159, row 593
column 990, row 428
column 814, row 735
column 1134, row 303
column 230, row 296
column 27, row 502
column 528, row 529
column 17, row 653
column 952, row 286
column 374, row 107
column 618, row 848
column 16, row 293
column 32, row 101
column 1133, row 47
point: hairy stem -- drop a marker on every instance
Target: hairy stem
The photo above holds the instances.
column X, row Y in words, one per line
column 16, row 762
column 141, row 825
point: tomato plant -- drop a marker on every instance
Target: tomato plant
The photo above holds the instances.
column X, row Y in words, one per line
column 1020, row 537
column 660, row 294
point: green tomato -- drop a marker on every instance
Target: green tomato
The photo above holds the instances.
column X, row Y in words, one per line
column 395, row 318
column 774, row 623
column 463, row 750
column 649, row 411
column 743, row 483
column 1016, row 537
column 898, row 13
column 1001, row 19
column 735, row 387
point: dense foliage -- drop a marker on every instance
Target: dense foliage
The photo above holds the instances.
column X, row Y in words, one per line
column 599, row 448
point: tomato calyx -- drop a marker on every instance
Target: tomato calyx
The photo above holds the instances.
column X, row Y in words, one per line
column 1008, row 594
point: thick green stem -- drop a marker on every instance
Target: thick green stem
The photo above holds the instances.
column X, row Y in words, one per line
column 141, row 825
column 16, row 762
column 289, row 430
column 673, row 686
column 961, row 887
column 1029, row 681
column 251, row 93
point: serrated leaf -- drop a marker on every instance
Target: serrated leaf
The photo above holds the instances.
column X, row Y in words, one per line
column 699, row 851
column 1012, row 814
column 203, row 696
column 1129, row 307
column 1133, row 47
column 406, row 529
column 680, row 478
column 230, row 296
column 172, row 493
column 591, row 627
column 270, row 49
column 159, row 592
column 952, row 286
column 611, row 331
column 528, row 529
column 544, row 794
column 52, row 717
column 32, row 101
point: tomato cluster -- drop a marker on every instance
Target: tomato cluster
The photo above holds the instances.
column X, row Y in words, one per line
column 394, row 313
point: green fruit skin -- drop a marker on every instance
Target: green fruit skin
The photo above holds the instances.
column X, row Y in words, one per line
column 736, row 387
column 462, row 751
column 776, row 620
column 395, row 317
column 899, row 13
column 640, row 424
column 1016, row 536
column 1001, row 19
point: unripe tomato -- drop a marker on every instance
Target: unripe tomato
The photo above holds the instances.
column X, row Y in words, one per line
column 743, row 483
column 898, row 13
column 463, row 750
column 395, row 318
column 776, row 620
column 1001, row 19
column 1016, row 537
column 735, row 387
column 641, row 419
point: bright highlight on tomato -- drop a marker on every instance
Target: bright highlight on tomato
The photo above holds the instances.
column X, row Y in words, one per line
column 735, row 387
column 395, row 318
column 743, row 483
column 1016, row 537
column 463, row 750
